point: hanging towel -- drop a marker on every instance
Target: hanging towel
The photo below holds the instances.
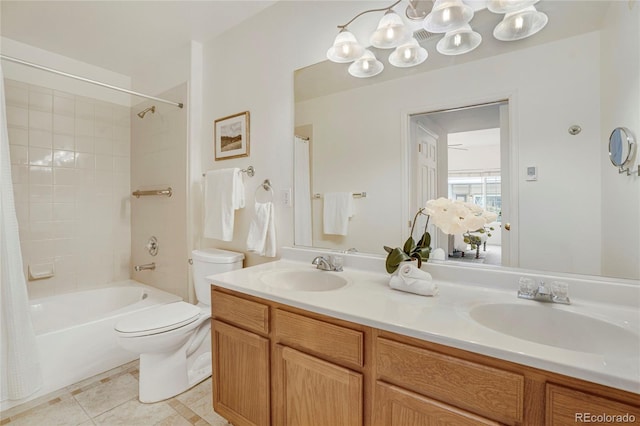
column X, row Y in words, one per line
column 338, row 208
column 262, row 231
column 411, row 279
column 223, row 195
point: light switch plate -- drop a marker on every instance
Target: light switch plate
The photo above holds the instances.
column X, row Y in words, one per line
column 285, row 196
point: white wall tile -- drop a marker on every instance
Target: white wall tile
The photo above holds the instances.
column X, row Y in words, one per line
column 85, row 161
column 40, row 120
column 39, row 175
column 64, row 194
column 18, row 136
column 40, row 212
column 64, row 211
column 64, row 105
column 40, row 138
column 19, row 174
column 84, row 109
column 17, row 96
column 64, row 176
column 64, row 142
column 103, row 145
column 64, row 124
column 84, row 127
column 40, row 156
column 19, row 154
column 18, row 117
column 40, row 101
column 63, row 158
column 41, row 193
column 104, row 162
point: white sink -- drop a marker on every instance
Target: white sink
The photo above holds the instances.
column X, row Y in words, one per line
column 548, row 325
column 304, row 280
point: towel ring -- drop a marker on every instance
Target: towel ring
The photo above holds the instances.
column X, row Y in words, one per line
column 266, row 186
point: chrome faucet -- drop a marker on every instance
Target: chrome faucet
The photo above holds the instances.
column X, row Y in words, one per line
column 333, row 263
column 145, row 267
column 558, row 292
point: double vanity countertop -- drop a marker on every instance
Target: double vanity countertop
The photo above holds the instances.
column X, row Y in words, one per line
column 448, row 319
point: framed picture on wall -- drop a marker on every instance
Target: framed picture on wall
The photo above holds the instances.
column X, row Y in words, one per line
column 231, row 136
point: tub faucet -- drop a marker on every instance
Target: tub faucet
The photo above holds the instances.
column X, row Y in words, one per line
column 146, row 267
column 333, row 263
column 558, row 292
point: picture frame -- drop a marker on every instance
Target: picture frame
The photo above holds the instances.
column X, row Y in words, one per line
column 231, row 136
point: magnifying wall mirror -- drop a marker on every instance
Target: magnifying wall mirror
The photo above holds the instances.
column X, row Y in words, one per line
column 621, row 148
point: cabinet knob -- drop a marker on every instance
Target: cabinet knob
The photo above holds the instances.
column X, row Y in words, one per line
column 507, row 226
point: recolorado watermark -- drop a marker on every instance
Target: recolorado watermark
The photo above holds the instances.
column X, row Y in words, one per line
column 604, row 418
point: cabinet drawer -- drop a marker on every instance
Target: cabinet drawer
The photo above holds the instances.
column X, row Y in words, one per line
column 334, row 342
column 568, row 407
column 488, row 391
column 243, row 313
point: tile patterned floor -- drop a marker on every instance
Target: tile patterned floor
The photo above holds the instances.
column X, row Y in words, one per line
column 111, row 399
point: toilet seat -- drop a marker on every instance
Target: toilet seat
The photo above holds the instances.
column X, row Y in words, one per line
column 158, row 320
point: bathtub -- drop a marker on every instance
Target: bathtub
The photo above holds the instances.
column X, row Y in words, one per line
column 75, row 336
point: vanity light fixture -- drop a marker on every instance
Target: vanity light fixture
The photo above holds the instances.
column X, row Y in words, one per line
column 451, row 17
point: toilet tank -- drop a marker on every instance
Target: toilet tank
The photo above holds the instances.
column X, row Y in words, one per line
column 211, row 261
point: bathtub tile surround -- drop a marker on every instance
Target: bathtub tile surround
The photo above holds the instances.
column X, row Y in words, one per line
column 70, row 169
column 111, row 398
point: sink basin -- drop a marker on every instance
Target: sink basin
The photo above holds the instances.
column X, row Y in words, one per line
column 547, row 325
column 304, row 280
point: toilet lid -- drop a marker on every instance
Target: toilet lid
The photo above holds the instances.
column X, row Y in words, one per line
column 159, row 319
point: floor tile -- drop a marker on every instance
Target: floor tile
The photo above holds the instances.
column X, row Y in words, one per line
column 66, row 412
column 135, row 413
column 108, row 394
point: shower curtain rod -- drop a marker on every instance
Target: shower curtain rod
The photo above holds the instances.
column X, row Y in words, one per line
column 98, row 83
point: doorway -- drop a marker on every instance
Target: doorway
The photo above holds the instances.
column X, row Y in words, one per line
column 463, row 154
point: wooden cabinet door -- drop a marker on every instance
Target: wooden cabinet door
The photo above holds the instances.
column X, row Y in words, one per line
column 395, row 406
column 241, row 390
column 313, row 392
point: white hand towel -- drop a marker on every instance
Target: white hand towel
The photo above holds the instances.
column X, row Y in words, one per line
column 411, row 279
column 262, row 231
column 338, row 208
column 223, row 194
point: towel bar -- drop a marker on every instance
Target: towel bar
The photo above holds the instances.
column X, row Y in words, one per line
column 166, row 192
column 250, row 171
column 355, row 195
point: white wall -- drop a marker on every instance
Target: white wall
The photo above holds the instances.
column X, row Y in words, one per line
column 534, row 78
column 621, row 193
column 250, row 68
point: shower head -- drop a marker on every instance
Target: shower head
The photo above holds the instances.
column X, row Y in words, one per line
column 141, row 114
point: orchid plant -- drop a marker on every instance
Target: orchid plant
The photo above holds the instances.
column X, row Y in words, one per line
column 451, row 217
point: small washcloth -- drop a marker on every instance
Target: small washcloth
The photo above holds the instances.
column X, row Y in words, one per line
column 262, row 231
column 223, row 195
column 411, row 279
column 338, row 208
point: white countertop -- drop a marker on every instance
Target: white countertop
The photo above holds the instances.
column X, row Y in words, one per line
column 367, row 299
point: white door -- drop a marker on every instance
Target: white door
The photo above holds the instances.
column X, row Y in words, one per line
column 426, row 166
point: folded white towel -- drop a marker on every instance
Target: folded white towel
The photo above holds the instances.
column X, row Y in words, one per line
column 411, row 279
column 262, row 231
column 223, row 194
column 338, row 208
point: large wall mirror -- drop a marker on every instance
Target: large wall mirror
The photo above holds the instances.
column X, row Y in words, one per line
column 495, row 127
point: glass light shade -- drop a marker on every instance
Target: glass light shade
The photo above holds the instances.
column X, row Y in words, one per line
column 390, row 33
column 476, row 5
column 507, row 6
column 447, row 15
column 366, row 66
column 345, row 48
column 408, row 55
column 459, row 41
column 521, row 24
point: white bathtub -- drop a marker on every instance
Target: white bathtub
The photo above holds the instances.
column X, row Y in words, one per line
column 75, row 335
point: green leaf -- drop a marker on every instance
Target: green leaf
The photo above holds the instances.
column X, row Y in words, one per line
column 387, row 249
column 395, row 258
column 425, row 240
column 423, row 253
column 409, row 245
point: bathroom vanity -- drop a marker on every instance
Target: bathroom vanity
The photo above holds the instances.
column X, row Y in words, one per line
column 362, row 353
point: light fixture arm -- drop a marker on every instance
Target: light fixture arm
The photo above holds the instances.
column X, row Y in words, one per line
column 342, row 27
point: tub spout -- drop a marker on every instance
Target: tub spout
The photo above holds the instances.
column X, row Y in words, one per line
column 145, row 267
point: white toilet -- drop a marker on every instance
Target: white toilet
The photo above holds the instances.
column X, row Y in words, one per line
column 174, row 340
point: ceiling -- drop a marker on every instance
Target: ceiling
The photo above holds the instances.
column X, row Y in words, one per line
column 120, row 35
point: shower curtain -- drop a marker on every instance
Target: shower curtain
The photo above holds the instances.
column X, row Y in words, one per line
column 19, row 360
column 302, row 193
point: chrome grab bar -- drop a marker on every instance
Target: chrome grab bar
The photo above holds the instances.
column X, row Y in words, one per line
column 166, row 192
